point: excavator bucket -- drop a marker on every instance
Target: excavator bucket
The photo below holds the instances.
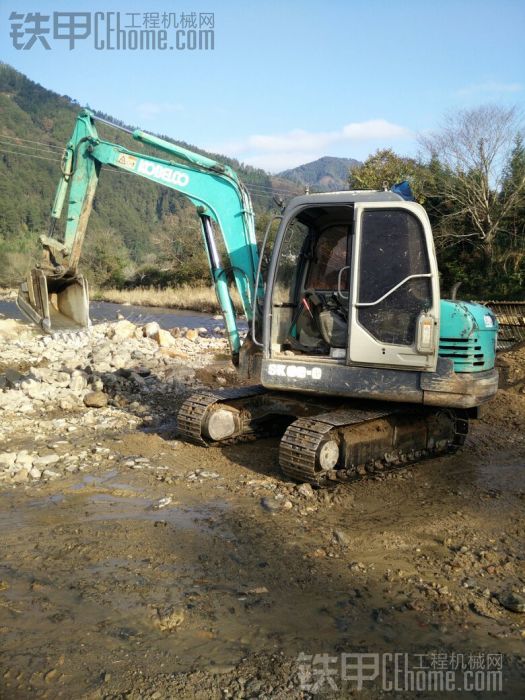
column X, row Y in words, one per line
column 55, row 303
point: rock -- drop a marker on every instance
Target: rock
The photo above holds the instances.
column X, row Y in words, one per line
column 21, row 476
column 137, row 379
column 203, row 331
column 35, row 473
column 151, row 329
column 33, row 389
column 270, row 504
column 96, row 399
column 78, row 382
column 172, row 352
column 258, row 590
column 97, row 385
column 25, row 460
column 470, row 583
column 513, row 602
column 46, row 460
column 63, row 379
column 206, row 474
column 143, row 371
column 341, row 538
column 7, row 459
column 119, row 359
column 50, row 474
column 161, row 503
column 101, row 353
column 357, row 566
column 164, row 339
column 305, row 490
column 123, row 330
column 176, row 332
column 192, row 334
column 13, row 378
column 169, row 619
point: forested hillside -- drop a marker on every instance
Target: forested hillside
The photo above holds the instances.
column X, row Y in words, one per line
column 136, row 227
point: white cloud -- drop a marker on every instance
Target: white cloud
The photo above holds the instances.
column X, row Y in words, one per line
column 277, row 152
column 489, row 88
column 150, row 110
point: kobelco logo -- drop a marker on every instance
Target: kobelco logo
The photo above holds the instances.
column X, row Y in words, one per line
column 164, row 173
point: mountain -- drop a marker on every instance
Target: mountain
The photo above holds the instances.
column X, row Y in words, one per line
column 324, row 174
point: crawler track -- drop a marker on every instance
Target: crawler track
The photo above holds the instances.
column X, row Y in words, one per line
column 369, row 441
column 192, row 412
column 359, row 440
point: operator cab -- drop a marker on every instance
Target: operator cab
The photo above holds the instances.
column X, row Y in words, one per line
column 354, row 282
column 311, row 289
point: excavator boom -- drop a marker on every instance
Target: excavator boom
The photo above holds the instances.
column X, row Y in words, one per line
column 56, row 296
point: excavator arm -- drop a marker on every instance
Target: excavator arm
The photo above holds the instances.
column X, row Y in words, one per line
column 56, row 296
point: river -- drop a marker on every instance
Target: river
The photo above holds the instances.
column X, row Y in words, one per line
column 106, row 311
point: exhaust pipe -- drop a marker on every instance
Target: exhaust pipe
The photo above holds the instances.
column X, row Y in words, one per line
column 55, row 303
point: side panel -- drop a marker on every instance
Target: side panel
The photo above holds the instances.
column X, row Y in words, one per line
column 330, row 379
column 443, row 387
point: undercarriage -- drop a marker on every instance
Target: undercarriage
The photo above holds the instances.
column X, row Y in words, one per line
column 323, row 440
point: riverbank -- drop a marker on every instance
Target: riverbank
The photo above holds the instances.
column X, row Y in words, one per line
column 136, row 565
column 7, row 294
column 186, row 298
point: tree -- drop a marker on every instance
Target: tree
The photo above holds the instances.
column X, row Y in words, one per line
column 180, row 252
column 385, row 168
column 105, row 258
column 473, row 148
column 513, row 253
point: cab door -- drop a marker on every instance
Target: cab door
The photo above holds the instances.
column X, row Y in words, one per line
column 394, row 301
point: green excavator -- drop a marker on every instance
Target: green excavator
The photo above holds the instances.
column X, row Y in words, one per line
column 351, row 354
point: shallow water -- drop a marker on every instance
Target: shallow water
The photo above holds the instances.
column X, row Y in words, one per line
column 105, row 311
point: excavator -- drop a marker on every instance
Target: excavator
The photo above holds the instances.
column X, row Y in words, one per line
column 351, row 356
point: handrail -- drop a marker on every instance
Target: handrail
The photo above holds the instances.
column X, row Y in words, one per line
column 391, row 291
column 339, row 278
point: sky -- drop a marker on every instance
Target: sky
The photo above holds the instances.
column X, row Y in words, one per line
column 287, row 81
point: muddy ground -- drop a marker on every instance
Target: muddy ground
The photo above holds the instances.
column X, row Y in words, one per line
column 148, row 568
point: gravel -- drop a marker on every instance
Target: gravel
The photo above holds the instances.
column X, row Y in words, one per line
column 56, row 386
